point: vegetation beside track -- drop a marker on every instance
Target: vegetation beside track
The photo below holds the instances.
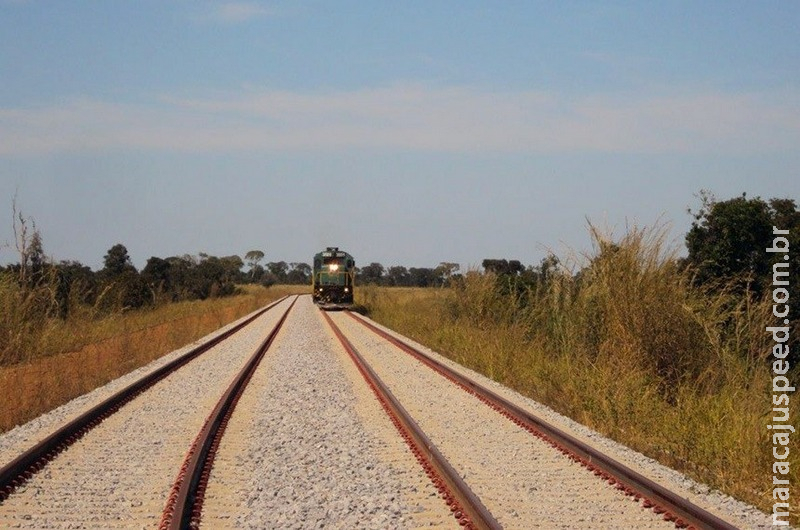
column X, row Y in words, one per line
column 629, row 346
column 101, row 350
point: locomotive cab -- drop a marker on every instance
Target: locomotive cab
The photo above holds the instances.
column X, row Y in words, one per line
column 333, row 277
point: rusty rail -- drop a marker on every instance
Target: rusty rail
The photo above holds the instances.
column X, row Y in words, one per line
column 465, row 505
column 185, row 502
column 672, row 507
column 22, row 468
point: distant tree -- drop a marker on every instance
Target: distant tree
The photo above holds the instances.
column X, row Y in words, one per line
column 76, row 284
column 398, row 276
column 123, row 287
column 128, row 291
column 503, row 266
column 371, row 274
column 117, row 261
column 37, row 261
column 233, row 268
column 181, row 277
column 422, row 277
column 256, row 274
column 445, row 271
column 215, row 277
column 540, row 275
column 157, row 274
column 278, row 269
column 268, row 279
column 299, row 274
column 252, row 258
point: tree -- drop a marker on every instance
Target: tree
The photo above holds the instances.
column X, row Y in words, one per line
column 503, row 266
column 157, row 274
column 256, row 274
column 36, row 258
column 397, row 276
column 372, row 273
column 422, row 277
column 76, row 284
column 727, row 241
column 540, row 275
column 116, row 261
column 252, row 258
column 214, row 277
column 233, row 268
column 123, row 287
column 299, row 274
column 278, row 269
column 181, row 275
column 445, row 271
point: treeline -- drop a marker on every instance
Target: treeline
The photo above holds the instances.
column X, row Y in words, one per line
column 38, row 294
column 400, row 276
column 118, row 285
column 51, row 289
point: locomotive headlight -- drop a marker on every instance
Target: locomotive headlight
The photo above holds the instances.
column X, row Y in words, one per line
column 334, row 266
column 347, row 289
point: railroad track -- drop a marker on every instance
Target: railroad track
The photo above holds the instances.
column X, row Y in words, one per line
column 84, row 465
column 185, row 505
column 467, row 508
column 618, row 480
column 297, row 439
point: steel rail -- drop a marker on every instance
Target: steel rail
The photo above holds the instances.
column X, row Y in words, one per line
column 671, row 506
column 22, row 468
column 184, row 504
column 465, row 505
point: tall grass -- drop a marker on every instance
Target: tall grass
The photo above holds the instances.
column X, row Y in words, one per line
column 70, row 357
column 24, row 315
column 628, row 346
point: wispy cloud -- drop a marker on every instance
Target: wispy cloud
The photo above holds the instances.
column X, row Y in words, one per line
column 414, row 117
column 236, row 12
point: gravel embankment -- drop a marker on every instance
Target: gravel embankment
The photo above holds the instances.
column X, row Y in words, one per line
column 309, row 446
column 736, row 512
column 120, row 473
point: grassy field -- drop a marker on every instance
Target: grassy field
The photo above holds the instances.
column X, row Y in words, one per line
column 75, row 356
column 629, row 348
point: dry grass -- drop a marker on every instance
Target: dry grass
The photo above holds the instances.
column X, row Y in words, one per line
column 628, row 347
column 105, row 349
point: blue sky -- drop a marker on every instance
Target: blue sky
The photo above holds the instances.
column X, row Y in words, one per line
column 408, row 133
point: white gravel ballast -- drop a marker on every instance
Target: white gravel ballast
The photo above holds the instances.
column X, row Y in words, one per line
column 308, row 446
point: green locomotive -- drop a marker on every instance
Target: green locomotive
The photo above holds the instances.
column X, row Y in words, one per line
column 333, row 277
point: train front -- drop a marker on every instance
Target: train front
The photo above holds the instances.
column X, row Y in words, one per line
column 333, row 277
